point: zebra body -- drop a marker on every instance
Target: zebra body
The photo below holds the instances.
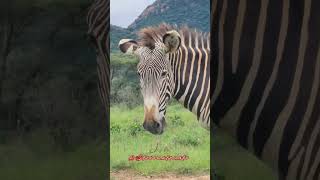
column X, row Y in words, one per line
column 98, row 20
column 191, row 72
column 173, row 63
column 266, row 73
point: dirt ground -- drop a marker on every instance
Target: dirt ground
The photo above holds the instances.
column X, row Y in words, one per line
column 130, row 175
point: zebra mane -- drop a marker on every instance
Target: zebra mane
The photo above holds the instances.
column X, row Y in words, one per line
column 150, row 35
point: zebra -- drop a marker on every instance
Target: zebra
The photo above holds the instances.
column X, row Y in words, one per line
column 98, row 20
column 172, row 63
column 266, row 76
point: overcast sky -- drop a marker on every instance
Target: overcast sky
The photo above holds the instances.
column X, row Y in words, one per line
column 124, row 12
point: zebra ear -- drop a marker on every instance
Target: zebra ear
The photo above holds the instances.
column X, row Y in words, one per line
column 172, row 41
column 128, row 46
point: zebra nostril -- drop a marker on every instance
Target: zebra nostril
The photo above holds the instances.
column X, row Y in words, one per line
column 157, row 125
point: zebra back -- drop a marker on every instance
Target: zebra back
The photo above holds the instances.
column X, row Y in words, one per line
column 266, row 73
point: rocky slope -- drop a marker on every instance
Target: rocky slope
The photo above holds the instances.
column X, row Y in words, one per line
column 195, row 14
column 192, row 13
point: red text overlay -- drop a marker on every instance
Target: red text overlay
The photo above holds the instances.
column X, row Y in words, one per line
column 141, row 157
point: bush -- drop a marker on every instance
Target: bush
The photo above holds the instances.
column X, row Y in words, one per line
column 125, row 87
column 187, row 139
column 115, row 129
column 51, row 77
column 135, row 128
column 176, row 120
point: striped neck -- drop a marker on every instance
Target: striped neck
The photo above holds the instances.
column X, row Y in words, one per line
column 191, row 71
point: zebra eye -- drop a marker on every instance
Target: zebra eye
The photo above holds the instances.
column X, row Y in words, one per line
column 164, row 73
column 138, row 73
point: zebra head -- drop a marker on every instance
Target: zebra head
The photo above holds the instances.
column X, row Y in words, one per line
column 156, row 76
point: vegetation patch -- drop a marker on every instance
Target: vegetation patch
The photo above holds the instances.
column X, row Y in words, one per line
column 175, row 141
column 135, row 128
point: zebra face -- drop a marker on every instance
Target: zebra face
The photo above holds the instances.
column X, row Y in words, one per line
column 156, row 77
column 156, row 87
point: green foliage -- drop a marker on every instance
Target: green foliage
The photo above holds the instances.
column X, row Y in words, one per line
column 118, row 33
column 51, row 78
column 52, row 121
column 121, row 59
column 135, row 128
column 176, row 121
column 115, row 129
column 125, row 87
column 35, row 153
column 134, row 140
column 187, row 139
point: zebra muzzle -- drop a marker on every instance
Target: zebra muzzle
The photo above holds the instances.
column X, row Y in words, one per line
column 153, row 126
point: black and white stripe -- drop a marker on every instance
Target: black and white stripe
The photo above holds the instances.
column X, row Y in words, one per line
column 98, row 20
column 150, row 70
column 190, row 66
column 266, row 70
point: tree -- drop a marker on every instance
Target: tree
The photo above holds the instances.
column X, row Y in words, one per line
column 15, row 15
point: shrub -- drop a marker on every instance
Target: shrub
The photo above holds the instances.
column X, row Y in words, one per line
column 187, row 139
column 115, row 129
column 135, row 128
column 176, row 120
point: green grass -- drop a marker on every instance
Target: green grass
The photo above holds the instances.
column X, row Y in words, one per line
column 183, row 136
column 19, row 160
column 235, row 163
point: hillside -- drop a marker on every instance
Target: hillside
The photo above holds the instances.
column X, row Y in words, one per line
column 195, row 14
